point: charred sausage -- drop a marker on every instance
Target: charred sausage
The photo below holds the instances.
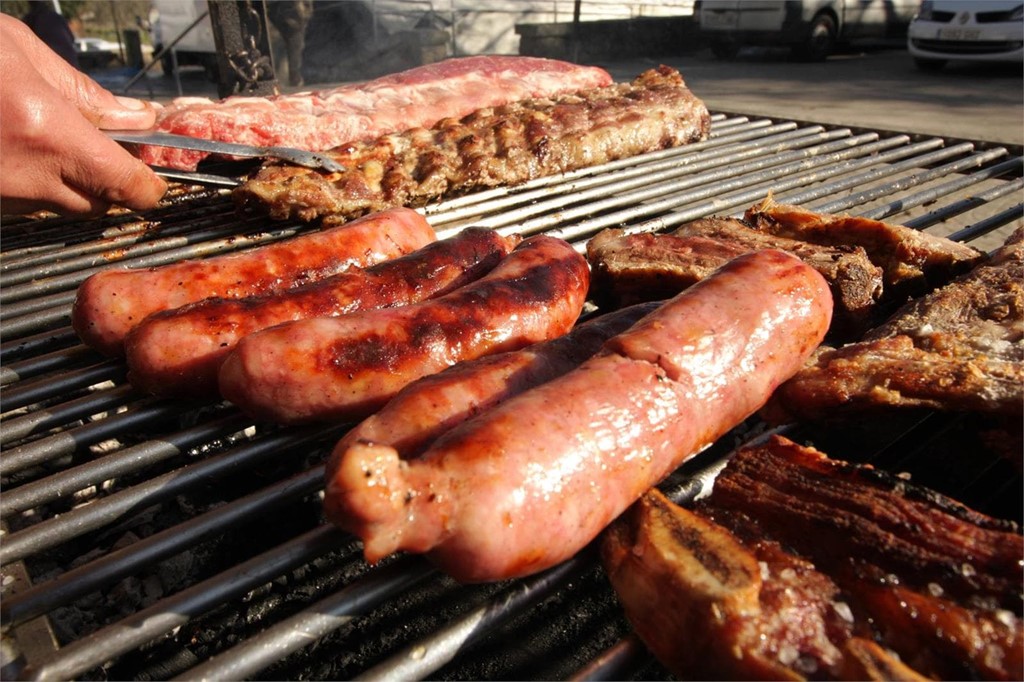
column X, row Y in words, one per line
column 178, row 352
column 530, row 482
column 111, row 302
column 343, row 368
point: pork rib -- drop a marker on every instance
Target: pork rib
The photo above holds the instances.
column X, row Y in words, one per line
column 710, row 606
column 912, row 262
column 627, row 268
column 492, row 146
column 960, row 347
column 941, row 583
column 324, row 119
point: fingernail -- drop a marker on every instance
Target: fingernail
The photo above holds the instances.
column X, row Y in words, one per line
column 131, row 103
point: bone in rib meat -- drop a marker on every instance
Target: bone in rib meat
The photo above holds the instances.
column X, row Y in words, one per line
column 324, row 119
column 492, row 146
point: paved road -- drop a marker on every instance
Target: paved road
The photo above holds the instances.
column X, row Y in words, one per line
column 878, row 88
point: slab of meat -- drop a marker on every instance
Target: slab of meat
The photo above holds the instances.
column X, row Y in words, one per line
column 110, row 303
column 709, row 606
column 433, row 405
column 178, row 352
column 627, row 268
column 329, row 118
column 493, row 146
column 530, row 482
column 941, row 584
column 912, row 262
column 344, row 368
column 960, row 347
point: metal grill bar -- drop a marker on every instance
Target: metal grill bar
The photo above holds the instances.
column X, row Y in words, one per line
column 104, row 571
column 128, row 460
column 322, row 618
column 18, row 428
column 147, row 624
column 51, row 532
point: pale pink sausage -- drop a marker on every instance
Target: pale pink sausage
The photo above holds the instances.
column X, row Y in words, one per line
column 529, row 483
column 428, row 407
column 343, row 368
column 110, row 303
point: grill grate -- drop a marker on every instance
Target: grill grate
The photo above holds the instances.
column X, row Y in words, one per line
column 203, row 527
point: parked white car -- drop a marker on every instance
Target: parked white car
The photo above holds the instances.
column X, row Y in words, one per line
column 812, row 28
column 967, row 30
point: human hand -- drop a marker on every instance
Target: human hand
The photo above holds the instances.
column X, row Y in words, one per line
column 53, row 153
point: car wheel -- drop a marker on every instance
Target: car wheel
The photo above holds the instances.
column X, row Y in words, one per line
column 725, row 49
column 821, row 39
column 929, row 64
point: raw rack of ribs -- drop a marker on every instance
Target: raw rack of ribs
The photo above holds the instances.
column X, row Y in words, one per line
column 324, row 119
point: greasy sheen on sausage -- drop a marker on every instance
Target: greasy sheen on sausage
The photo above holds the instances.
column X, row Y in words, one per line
column 110, row 303
column 343, row 368
column 178, row 352
column 425, row 409
column 530, row 482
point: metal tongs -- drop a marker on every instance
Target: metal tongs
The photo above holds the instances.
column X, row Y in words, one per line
column 298, row 157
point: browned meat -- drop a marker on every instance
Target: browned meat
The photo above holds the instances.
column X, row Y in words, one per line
column 797, row 565
column 493, row 146
column 111, row 302
column 896, row 549
column 344, row 368
column 630, row 268
column 179, row 352
column 913, row 262
column 528, row 483
column 959, row 348
column 711, row 607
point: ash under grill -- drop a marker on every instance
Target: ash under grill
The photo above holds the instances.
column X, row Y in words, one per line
column 147, row 538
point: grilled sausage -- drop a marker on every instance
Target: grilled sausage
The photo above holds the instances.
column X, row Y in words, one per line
column 530, row 482
column 111, row 302
column 178, row 352
column 345, row 367
column 430, row 406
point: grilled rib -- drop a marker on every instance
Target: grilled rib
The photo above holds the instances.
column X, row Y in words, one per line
column 912, row 262
column 802, row 566
column 642, row 267
column 959, row 348
column 942, row 582
column 492, row 146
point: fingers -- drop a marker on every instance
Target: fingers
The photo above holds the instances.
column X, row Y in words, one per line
column 99, row 106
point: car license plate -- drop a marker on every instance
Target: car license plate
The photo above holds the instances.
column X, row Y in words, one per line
column 720, row 19
column 959, row 34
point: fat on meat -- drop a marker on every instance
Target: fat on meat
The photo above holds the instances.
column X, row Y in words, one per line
column 344, row 368
column 111, row 302
column 324, row 119
column 530, row 482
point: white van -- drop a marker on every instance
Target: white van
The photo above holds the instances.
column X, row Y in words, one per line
column 812, row 28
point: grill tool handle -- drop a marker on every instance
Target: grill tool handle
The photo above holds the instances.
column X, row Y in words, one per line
column 298, row 157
